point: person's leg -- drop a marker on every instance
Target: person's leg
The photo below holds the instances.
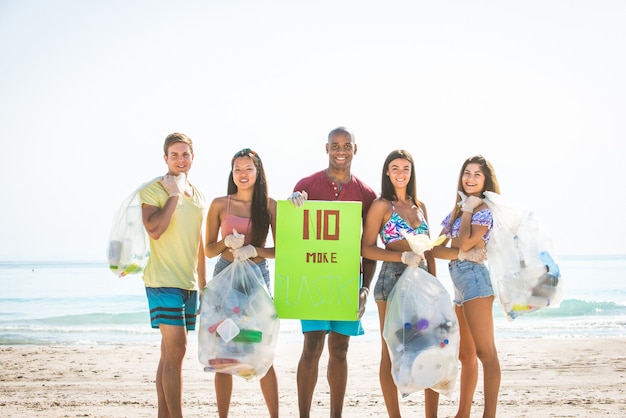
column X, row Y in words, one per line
column 269, row 388
column 431, row 403
column 388, row 386
column 308, row 368
column 162, row 403
column 337, row 372
column 223, row 391
column 169, row 373
column 469, row 366
column 479, row 318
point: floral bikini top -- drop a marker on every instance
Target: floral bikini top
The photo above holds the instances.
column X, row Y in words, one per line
column 482, row 217
column 391, row 230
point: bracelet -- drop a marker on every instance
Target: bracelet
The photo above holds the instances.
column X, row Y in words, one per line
column 174, row 194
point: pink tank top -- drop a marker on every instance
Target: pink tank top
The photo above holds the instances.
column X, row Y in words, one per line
column 242, row 225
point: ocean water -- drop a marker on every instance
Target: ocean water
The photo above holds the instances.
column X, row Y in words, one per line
column 45, row 303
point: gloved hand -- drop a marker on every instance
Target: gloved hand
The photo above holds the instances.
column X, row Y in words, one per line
column 234, row 240
column 463, row 199
column 184, row 187
column 245, row 252
column 477, row 255
column 363, row 293
column 411, row 259
column 298, row 198
column 471, row 203
column 170, row 185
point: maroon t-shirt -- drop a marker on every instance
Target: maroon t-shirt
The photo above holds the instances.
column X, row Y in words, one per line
column 319, row 187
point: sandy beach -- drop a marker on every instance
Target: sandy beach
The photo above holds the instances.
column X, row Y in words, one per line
column 540, row 378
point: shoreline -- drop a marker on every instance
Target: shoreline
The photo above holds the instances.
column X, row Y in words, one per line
column 553, row 377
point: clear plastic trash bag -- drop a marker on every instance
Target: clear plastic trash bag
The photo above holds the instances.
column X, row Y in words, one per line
column 422, row 332
column 521, row 259
column 129, row 245
column 239, row 326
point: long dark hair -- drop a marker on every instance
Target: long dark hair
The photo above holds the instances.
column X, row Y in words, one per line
column 387, row 190
column 491, row 182
column 260, row 216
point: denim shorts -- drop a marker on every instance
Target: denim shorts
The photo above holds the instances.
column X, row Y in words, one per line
column 222, row 263
column 172, row 306
column 389, row 274
column 471, row 280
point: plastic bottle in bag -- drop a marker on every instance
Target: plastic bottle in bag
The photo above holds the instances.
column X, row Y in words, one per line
column 115, row 252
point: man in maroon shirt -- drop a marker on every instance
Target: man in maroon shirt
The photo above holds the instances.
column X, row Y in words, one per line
column 333, row 183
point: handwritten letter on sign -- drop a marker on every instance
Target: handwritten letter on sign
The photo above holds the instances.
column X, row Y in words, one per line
column 318, row 253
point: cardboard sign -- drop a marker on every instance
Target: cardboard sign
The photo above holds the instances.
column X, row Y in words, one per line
column 318, row 257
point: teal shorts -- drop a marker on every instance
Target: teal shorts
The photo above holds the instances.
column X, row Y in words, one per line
column 172, row 306
column 349, row 328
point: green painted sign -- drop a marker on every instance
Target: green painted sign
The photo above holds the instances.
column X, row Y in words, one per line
column 318, row 258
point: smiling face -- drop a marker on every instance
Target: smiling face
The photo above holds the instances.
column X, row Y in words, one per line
column 473, row 180
column 179, row 158
column 244, row 172
column 340, row 148
column 399, row 172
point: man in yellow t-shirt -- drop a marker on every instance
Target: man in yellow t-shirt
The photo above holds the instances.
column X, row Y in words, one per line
column 173, row 211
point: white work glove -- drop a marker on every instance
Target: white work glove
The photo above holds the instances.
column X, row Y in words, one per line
column 244, row 253
column 463, row 199
column 477, row 255
column 471, row 203
column 411, row 259
column 298, row 198
column 363, row 293
column 184, row 187
column 171, row 186
column 234, row 240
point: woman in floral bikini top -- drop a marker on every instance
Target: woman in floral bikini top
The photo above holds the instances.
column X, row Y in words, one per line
column 396, row 210
column 391, row 231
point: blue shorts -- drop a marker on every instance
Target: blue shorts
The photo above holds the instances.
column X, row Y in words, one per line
column 349, row 328
column 222, row 263
column 172, row 306
column 389, row 274
column 471, row 280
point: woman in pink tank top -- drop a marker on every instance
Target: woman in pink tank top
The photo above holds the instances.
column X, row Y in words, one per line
column 237, row 226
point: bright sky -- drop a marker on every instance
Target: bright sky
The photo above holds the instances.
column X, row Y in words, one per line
column 89, row 91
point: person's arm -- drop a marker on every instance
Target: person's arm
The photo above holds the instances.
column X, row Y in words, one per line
column 156, row 220
column 430, row 259
column 376, row 214
column 270, row 252
column 470, row 234
column 201, row 265
column 444, row 252
column 369, row 268
column 214, row 247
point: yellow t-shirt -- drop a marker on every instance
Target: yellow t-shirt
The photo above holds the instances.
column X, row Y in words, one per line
column 173, row 258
